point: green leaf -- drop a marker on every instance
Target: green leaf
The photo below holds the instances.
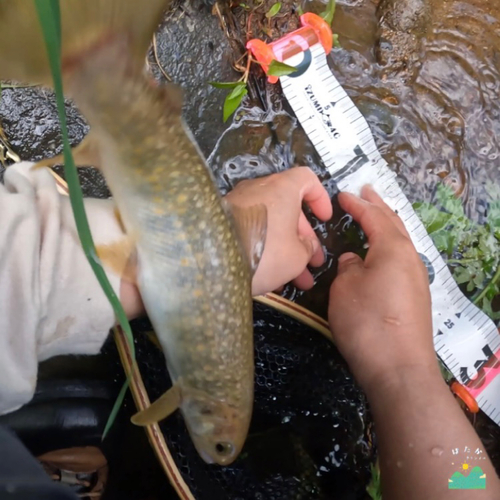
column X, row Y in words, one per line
column 226, row 85
column 329, row 12
column 447, row 199
column 273, row 10
column 233, row 100
column 494, row 208
column 474, row 248
column 445, row 373
column 277, row 68
column 50, row 20
column 240, row 89
column 115, row 409
column 336, row 42
column 374, row 488
column 300, row 10
column 444, row 241
column 462, row 275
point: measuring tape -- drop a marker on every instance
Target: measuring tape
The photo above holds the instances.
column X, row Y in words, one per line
column 466, row 339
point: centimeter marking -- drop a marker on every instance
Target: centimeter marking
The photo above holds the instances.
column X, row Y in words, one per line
column 465, row 338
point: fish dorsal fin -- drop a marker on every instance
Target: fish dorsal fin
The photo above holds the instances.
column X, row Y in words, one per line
column 251, row 226
column 164, row 406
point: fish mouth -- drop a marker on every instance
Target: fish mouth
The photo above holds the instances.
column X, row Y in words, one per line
column 223, row 453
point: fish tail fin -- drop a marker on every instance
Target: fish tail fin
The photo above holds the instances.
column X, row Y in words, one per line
column 85, row 25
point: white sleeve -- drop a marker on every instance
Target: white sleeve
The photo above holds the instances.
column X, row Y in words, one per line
column 50, row 300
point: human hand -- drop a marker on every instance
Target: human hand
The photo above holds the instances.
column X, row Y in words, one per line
column 291, row 243
column 380, row 309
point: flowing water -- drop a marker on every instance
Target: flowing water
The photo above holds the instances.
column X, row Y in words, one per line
column 433, row 108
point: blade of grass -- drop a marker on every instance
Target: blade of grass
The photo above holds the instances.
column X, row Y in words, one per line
column 50, row 20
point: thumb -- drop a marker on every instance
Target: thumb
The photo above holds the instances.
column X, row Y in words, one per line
column 349, row 261
column 311, row 245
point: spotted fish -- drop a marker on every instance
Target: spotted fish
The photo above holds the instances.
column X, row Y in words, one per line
column 190, row 254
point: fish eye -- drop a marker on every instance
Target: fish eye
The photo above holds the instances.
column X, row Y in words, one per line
column 224, row 449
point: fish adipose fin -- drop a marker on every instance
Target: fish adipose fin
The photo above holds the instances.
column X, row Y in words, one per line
column 251, row 226
column 163, row 407
column 86, row 153
column 120, row 257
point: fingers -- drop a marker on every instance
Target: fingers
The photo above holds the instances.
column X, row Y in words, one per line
column 369, row 194
column 312, row 191
column 313, row 255
column 306, row 232
column 304, row 280
column 349, row 261
column 372, row 219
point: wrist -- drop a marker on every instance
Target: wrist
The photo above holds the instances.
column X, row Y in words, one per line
column 403, row 380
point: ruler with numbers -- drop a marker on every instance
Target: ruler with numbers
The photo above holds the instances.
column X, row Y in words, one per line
column 466, row 339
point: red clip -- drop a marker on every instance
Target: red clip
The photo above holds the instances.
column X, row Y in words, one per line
column 314, row 29
column 461, row 392
column 469, row 392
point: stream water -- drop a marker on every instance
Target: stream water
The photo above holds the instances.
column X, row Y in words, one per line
column 435, row 118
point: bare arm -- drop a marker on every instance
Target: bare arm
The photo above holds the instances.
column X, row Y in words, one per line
column 380, row 315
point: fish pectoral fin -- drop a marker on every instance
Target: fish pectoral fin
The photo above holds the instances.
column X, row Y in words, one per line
column 163, row 407
column 85, row 154
column 251, row 225
column 121, row 257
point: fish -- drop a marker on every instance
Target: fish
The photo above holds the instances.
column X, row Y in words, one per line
column 191, row 254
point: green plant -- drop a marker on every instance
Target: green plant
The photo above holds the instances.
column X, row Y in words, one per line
column 329, row 12
column 277, row 68
column 472, row 250
column 50, row 20
column 233, row 99
column 238, row 90
column 275, row 8
column 374, row 488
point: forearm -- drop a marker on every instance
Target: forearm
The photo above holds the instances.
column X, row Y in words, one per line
column 419, row 426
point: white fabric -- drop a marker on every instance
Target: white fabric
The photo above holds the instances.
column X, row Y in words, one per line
column 50, row 300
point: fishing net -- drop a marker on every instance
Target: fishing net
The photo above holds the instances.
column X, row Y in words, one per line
column 310, row 436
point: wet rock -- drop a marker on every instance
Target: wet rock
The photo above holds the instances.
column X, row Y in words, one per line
column 193, row 50
column 92, row 182
column 30, row 121
column 402, row 25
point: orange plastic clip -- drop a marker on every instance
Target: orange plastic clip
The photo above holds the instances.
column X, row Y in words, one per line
column 461, row 392
column 314, row 29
